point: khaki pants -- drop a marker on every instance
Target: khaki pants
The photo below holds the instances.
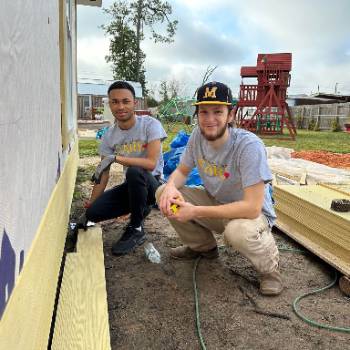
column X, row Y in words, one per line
column 251, row 237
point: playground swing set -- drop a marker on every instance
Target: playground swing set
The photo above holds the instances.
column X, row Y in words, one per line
column 267, row 98
column 261, row 108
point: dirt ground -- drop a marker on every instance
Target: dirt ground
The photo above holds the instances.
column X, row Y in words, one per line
column 151, row 306
column 335, row 160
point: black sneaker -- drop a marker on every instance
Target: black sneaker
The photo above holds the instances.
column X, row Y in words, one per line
column 129, row 241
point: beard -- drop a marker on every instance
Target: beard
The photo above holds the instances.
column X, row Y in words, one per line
column 213, row 137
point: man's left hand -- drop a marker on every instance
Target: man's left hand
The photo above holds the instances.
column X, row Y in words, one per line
column 185, row 211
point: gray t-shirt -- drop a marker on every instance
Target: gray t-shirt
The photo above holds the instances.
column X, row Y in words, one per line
column 239, row 163
column 133, row 142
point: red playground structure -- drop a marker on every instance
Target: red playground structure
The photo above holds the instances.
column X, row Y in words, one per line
column 262, row 108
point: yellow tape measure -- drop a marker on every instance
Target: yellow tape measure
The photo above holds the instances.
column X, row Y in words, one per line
column 175, row 208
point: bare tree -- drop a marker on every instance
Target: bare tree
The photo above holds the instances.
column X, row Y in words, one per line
column 210, row 70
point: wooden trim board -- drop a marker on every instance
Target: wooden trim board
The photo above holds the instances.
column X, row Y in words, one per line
column 82, row 313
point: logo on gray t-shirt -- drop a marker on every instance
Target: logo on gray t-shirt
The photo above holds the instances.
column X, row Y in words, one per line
column 134, row 141
column 241, row 162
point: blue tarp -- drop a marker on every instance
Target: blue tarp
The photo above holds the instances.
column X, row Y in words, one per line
column 172, row 159
column 100, row 132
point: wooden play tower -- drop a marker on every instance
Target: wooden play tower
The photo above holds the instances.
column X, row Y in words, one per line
column 262, row 107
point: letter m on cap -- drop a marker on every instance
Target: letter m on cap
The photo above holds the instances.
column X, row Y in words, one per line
column 210, row 93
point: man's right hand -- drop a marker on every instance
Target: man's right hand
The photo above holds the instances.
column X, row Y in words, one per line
column 105, row 164
column 169, row 194
column 87, row 204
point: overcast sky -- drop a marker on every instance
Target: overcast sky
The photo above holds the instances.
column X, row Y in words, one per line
column 229, row 34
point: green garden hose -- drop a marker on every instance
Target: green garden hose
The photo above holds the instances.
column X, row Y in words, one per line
column 196, row 302
column 312, row 322
column 295, row 302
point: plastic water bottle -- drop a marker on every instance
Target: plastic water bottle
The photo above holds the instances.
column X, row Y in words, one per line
column 152, row 253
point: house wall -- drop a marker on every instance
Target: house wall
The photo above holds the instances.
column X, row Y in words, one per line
column 30, row 126
column 94, row 102
column 38, row 162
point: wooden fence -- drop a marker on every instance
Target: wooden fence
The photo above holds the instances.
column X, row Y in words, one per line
column 324, row 114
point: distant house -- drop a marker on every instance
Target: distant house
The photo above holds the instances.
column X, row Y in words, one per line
column 91, row 97
column 316, row 99
column 336, row 98
column 39, row 159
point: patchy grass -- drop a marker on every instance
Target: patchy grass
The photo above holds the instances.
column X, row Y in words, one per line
column 88, row 148
column 337, row 142
column 83, row 175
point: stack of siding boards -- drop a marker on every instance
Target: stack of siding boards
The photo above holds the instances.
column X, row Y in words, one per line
column 304, row 213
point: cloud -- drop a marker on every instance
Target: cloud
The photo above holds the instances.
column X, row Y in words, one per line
column 89, row 21
column 315, row 32
column 230, row 33
column 197, row 42
column 91, row 58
